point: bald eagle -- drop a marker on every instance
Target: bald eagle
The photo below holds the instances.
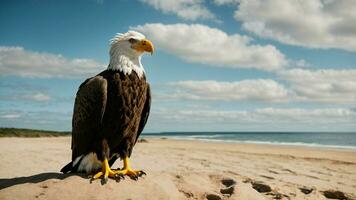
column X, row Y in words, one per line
column 111, row 110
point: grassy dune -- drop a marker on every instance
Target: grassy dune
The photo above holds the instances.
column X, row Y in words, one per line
column 16, row 132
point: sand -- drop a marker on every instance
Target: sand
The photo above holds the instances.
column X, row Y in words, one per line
column 178, row 169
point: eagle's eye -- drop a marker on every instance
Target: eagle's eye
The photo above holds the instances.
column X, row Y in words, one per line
column 132, row 40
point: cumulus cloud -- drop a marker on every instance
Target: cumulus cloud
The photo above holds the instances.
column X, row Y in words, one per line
column 11, row 91
column 305, row 114
column 327, row 86
column 10, row 116
column 21, row 62
column 185, row 9
column 40, row 97
column 25, row 96
column 202, row 44
column 43, row 120
column 224, row 2
column 259, row 119
column 266, row 90
column 309, row 23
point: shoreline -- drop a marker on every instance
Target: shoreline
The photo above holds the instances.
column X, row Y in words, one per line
column 290, row 144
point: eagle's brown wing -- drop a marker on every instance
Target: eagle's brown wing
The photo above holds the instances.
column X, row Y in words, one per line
column 89, row 109
column 145, row 112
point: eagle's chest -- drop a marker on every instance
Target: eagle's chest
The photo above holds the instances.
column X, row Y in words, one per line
column 125, row 101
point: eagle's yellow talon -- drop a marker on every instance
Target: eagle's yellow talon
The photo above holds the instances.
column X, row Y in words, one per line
column 127, row 170
column 106, row 172
column 97, row 175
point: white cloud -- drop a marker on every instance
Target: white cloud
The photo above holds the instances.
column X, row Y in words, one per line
column 224, row 2
column 20, row 62
column 305, row 114
column 185, row 9
column 202, row 44
column 289, row 119
column 10, row 116
column 326, row 86
column 309, row 23
column 40, row 97
column 12, row 91
column 43, row 120
column 266, row 90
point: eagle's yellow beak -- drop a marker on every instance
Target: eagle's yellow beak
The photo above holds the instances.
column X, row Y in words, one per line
column 143, row 45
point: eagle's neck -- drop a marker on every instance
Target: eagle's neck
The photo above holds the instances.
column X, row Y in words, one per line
column 126, row 64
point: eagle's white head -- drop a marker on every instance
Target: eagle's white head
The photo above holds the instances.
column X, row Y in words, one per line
column 126, row 51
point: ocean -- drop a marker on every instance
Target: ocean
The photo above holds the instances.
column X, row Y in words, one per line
column 343, row 140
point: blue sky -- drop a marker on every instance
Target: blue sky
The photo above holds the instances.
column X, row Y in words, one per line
column 219, row 65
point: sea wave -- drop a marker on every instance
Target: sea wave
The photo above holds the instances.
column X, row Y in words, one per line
column 203, row 136
column 299, row 144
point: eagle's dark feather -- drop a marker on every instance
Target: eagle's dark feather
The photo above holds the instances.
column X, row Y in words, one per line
column 89, row 109
column 111, row 106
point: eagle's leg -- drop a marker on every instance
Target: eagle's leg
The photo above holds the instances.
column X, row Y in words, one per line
column 127, row 170
column 106, row 172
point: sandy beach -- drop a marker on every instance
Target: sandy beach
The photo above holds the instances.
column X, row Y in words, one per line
column 178, row 169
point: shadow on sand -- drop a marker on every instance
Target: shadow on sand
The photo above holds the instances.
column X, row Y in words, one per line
column 4, row 183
